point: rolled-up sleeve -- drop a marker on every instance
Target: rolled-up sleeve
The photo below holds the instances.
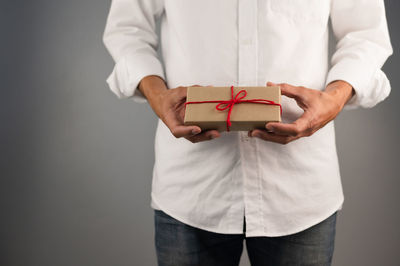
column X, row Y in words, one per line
column 131, row 39
column 363, row 46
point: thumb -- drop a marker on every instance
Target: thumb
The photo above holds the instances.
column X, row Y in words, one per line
column 181, row 91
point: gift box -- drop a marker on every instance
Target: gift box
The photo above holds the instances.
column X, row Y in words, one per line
column 232, row 108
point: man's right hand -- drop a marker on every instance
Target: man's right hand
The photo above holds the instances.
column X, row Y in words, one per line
column 169, row 106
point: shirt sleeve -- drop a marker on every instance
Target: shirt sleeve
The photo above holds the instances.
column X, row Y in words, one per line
column 363, row 46
column 131, row 39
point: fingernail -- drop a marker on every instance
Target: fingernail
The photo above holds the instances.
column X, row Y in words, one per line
column 196, row 131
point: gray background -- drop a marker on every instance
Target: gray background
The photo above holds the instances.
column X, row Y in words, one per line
column 76, row 162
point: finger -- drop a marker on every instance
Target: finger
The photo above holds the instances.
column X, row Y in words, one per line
column 301, row 127
column 291, row 91
column 184, row 131
column 263, row 134
column 178, row 129
column 202, row 86
column 288, row 90
column 182, row 91
column 206, row 135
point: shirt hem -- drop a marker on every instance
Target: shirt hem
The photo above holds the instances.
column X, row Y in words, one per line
column 183, row 220
column 336, row 207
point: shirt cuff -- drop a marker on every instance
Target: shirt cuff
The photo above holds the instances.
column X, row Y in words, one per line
column 358, row 75
column 129, row 71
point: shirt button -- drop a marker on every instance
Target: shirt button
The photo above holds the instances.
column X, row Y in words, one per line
column 247, row 41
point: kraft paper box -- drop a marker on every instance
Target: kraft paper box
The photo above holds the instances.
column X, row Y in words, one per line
column 244, row 115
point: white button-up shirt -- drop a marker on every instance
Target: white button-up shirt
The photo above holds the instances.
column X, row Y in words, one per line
column 281, row 189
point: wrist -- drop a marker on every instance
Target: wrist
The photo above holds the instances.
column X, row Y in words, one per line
column 153, row 88
column 341, row 91
column 151, row 85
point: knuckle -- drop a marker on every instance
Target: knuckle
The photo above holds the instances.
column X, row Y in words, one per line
column 309, row 128
column 296, row 131
column 264, row 138
column 315, row 93
column 309, row 133
column 319, row 93
column 310, row 124
column 284, row 141
column 285, row 85
column 192, row 140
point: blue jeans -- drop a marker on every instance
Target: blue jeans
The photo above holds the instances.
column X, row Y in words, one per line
column 179, row 244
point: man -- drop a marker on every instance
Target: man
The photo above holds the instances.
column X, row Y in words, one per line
column 212, row 190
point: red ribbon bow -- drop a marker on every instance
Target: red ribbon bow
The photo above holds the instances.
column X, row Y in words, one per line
column 234, row 100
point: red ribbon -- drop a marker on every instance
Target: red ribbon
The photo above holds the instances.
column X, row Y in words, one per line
column 236, row 99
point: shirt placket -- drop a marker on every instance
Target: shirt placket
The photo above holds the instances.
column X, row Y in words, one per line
column 247, row 76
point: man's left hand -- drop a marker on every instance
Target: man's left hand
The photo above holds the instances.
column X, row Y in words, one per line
column 320, row 107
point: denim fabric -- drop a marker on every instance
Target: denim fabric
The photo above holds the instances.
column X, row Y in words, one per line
column 179, row 244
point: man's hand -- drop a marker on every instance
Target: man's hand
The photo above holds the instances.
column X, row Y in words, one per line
column 320, row 107
column 169, row 106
